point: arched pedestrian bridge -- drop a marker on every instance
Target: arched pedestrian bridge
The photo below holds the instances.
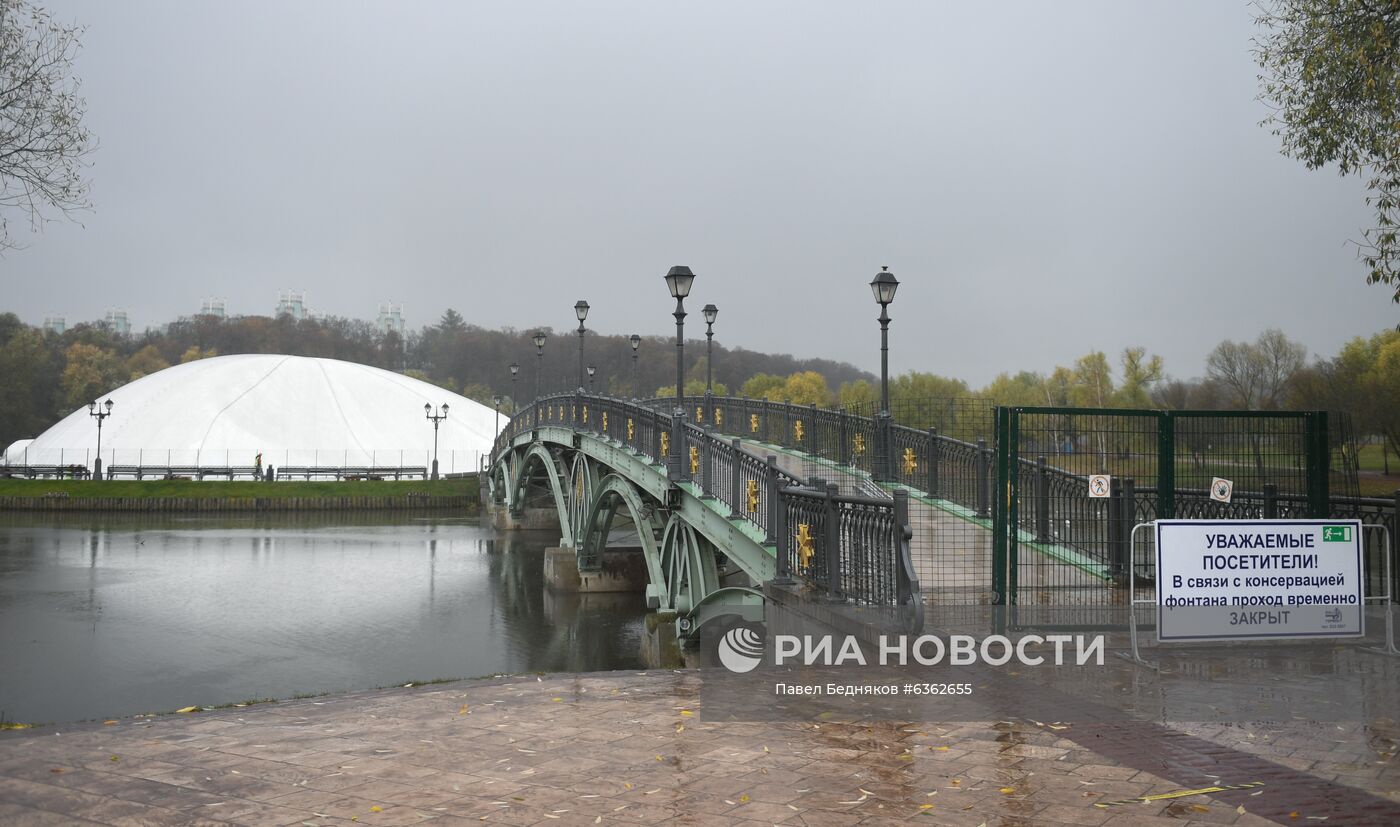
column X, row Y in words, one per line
column 714, row 518
column 982, row 512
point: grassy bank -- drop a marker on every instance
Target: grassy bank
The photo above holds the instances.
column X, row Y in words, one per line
column 189, row 489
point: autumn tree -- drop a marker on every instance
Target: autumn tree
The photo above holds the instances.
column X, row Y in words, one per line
column 43, row 142
column 145, row 361
column 1256, row 374
column 1331, row 76
column 89, row 371
column 194, row 353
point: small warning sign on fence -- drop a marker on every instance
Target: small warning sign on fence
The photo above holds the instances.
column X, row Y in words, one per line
column 1100, row 485
column 1221, row 490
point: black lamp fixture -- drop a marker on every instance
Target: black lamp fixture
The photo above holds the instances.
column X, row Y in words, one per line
column 539, row 339
column 884, row 286
column 679, row 280
column 580, row 310
column 711, row 313
column 636, row 343
column 435, row 417
column 514, row 374
column 99, row 412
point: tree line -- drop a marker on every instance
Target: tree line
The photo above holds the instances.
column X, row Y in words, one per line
column 49, row 375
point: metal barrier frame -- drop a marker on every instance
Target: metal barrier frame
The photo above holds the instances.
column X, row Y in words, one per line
column 1390, row 648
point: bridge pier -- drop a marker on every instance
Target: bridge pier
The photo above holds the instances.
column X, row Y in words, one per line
column 623, row 570
column 529, row 519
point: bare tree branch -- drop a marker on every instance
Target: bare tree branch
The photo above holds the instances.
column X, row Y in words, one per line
column 43, row 143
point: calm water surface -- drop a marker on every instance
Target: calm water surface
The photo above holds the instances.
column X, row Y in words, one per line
column 104, row 615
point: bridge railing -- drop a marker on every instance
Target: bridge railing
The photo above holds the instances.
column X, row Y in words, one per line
column 866, row 539
column 945, row 468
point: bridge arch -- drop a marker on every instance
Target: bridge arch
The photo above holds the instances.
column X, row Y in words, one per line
column 614, row 493
column 553, row 470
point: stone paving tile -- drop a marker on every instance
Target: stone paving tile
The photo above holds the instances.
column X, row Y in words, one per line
column 619, row 749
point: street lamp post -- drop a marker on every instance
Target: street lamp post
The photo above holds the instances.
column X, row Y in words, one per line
column 99, row 412
column 580, row 310
column 592, row 369
column 679, row 280
column 710, row 312
column 496, row 400
column 636, row 343
column 539, row 338
column 435, row 417
column 883, row 286
column 514, row 374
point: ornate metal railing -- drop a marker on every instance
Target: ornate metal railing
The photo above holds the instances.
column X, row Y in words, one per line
column 865, row 556
column 1055, row 506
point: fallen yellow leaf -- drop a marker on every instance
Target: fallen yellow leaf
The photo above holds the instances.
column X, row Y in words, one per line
column 188, row 709
column 743, row 799
column 1008, row 790
column 925, row 806
column 376, row 809
column 108, row 723
column 557, row 700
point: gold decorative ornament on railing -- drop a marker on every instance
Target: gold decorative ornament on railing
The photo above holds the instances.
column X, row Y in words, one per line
column 753, row 496
column 806, row 546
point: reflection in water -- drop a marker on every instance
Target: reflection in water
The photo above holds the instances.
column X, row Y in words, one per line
column 104, row 615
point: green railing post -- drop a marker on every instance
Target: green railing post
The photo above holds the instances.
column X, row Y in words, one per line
column 1166, row 465
column 736, row 492
column 933, row 452
column 1319, row 456
column 1042, row 501
column 845, row 456
column 832, row 519
column 999, row 538
column 983, row 500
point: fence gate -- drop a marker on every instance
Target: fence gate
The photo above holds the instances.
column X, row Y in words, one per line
column 1061, row 551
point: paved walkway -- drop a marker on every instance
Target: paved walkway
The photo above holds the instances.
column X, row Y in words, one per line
column 634, row 748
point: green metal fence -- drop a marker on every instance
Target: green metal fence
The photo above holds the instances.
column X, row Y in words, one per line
column 1062, row 537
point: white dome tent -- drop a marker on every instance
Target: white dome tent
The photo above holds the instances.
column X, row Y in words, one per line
column 294, row 410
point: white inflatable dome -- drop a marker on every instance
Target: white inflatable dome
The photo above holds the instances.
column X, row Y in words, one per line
column 294, row 410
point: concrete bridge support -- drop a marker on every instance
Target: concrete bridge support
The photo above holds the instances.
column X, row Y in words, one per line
column 529, row 519
column 623, row 570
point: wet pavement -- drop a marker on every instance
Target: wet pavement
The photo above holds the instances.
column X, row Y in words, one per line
column 638, row 748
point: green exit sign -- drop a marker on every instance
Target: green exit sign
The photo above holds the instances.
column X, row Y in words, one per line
column 1336, row 534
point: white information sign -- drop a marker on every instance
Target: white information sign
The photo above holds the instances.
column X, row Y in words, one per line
column 1100, row 485
column 1242, row 579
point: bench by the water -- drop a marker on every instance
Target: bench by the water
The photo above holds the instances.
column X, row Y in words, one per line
column 75, row 472
column 352, row 472
column 196, row 472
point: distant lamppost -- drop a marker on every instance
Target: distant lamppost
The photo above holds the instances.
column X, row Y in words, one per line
column 678, row 281
column 580, row 310
column 883, row 286
column 435, row 418
column 496, row 400
column 99, row 412
column 636, row 343
column 514, row 374
column 592, row 369
column 710, row 312
column 539, row 338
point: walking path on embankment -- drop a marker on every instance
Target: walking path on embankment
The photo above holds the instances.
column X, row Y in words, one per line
column 637, row 748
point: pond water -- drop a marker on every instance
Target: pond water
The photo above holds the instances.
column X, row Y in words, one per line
column 110, row 615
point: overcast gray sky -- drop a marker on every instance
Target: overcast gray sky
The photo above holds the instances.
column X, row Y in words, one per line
column 1044, row 178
